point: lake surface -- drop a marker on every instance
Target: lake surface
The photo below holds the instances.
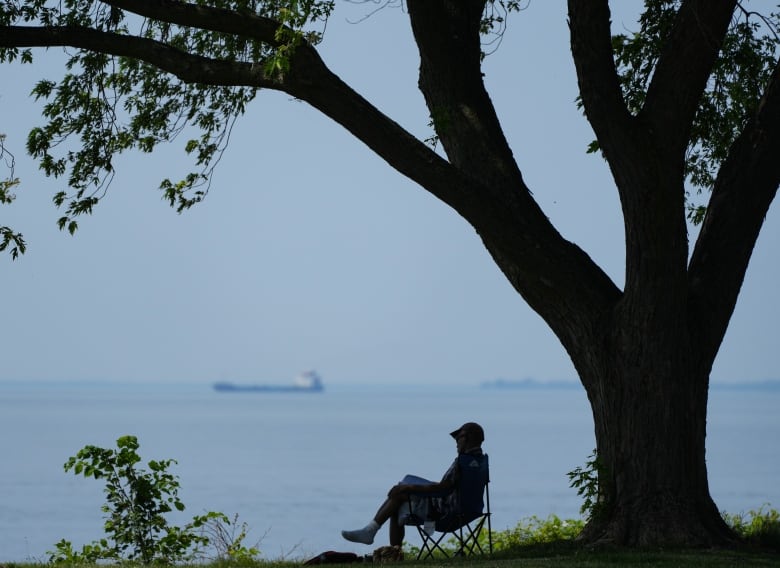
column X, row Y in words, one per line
column 299, row 467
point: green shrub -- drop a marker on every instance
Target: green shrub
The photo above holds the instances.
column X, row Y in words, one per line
column 529, row 531
column 534, row 530
column 758, row 527
column 137, row 502
column 227, row 539
column 586, row 481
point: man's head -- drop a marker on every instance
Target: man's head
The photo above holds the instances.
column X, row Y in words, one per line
column 468, row 436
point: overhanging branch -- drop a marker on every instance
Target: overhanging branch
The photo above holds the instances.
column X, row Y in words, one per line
column 553, row 275
column 245, row 24
column 550, row 270
column 186, row 66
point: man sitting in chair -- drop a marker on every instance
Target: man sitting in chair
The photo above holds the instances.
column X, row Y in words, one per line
column 441, row 496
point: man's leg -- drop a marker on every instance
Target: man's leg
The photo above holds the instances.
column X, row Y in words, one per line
column 387, row 510
column 397, row 531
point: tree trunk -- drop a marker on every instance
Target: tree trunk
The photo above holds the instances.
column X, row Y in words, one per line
column 645, row 368
column 647, row 383
column 649, row 413
column 635, row 351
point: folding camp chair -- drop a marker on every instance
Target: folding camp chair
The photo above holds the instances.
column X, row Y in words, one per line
column 466, row 523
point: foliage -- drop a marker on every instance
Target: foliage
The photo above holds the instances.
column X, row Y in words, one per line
column 534, row 530
column 7, row 236
column 493, row 23
column 113, row 104
column 529, row 531
column 227, row 539
column 563, row 555
column 137, row 502
column 745, row 63
column 758, row 527
column 586, row 480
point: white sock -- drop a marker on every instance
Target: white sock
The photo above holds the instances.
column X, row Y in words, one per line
column 372, row 527
column 365, row 535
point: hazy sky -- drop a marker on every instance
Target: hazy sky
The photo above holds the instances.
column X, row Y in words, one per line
column 311, row 252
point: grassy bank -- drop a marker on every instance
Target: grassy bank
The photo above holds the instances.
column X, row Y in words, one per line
column 562, row 556
column 549, row 556
column 534, row 542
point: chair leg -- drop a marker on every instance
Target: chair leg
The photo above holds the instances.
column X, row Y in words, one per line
column 469, row 544
column 430, row 544
column 467, row 538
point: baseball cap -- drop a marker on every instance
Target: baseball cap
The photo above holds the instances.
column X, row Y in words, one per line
column 470, row 428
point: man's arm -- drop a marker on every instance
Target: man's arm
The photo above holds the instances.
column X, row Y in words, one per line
column 441, row 488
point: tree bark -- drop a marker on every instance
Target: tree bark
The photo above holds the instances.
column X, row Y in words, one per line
column 649, row 402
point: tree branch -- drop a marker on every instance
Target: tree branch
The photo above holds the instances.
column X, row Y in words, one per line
column 551, row 267
column 554, row 276
column 245, row 24
column 682, row 71
column 447, row 34
column 187, row 67
column 602, row 98
column 744, row 189
column 309, row 80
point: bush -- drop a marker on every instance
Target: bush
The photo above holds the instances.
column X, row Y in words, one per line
column 529, row 531
column 586, row 481
column 759, row 528
column 137, row 502
column 535, row 530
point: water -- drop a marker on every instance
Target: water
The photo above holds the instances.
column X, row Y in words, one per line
column 298, row 468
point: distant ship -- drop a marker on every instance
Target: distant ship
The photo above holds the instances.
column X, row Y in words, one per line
column 308, row 381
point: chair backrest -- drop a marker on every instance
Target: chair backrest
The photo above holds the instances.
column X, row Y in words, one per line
column 472, row 486
column 474, row 476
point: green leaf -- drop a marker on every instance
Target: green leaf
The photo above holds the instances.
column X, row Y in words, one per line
column 740, row 74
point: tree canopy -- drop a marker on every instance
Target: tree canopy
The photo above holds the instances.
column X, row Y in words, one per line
column 146, row 72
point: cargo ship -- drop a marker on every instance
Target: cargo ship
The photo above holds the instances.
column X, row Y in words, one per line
column 308, row 381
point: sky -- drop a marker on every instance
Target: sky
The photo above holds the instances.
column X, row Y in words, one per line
column 310, row 252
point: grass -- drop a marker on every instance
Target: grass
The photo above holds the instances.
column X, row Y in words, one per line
column 551, row 555
column 563, row 556
column 549, row 543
